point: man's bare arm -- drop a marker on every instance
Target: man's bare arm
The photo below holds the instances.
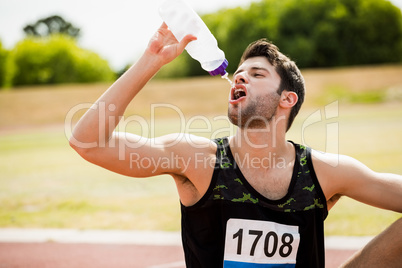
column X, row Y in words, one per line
column 104, row 146
column 343, row 175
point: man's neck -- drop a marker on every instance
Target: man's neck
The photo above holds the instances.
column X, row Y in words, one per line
column 261, row 152
column 259, row 142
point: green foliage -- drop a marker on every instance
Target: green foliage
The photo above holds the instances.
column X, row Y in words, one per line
column 3, row 62
column 236, row 28
column 180, row 67
column 315, row 33
column 345, row 94
column 51, row 25
column 326, row 33
column 56, row 59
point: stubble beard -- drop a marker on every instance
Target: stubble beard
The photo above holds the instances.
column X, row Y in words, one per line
column 257, row 114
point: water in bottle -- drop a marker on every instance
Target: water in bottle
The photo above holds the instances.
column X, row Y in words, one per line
column 182, row 20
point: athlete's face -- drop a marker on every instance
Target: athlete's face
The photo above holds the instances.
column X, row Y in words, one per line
column 254, row 99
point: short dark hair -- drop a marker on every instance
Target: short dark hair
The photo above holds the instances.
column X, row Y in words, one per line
column 291, row 77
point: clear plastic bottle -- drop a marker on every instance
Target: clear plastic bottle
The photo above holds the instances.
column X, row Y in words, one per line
column 182, row 20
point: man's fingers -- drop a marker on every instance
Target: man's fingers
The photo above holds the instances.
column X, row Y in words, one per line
column 184, row 42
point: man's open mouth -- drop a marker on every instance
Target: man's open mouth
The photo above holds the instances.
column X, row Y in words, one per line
column 238, row 92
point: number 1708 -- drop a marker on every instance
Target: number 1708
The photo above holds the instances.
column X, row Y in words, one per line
column 271, row 242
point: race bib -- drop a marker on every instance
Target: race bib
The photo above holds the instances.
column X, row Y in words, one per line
column 251, row 243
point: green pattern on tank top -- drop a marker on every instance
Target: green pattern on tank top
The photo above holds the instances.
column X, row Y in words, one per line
column 303, row 196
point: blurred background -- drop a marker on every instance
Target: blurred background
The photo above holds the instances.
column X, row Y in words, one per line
column 57, row 57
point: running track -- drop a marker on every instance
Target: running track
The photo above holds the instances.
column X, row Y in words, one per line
column 34, row 248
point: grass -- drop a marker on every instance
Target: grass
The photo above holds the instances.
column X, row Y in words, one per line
column 350, row 217
column 45, row 184
column 334, row 92
column 51, row 187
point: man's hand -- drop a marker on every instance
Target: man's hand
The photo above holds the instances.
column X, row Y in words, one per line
column 165, row 45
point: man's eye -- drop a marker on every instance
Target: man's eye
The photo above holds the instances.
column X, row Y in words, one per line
column 258, row 75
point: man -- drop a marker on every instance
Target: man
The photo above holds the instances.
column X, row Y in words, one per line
column 243, row 210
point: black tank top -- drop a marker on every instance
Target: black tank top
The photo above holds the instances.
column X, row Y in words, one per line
column 233, row 225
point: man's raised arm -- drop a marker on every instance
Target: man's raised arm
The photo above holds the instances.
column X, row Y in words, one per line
column 93, row 136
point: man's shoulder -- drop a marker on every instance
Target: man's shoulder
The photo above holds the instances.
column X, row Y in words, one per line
column 332, row 166
column 330, row 160
column 185, row 143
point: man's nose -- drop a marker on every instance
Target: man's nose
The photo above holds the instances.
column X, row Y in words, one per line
column 240, row 78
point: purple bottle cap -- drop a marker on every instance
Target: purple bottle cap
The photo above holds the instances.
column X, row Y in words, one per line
column 221, row 70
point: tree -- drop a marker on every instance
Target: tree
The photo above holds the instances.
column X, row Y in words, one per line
column 52, row 25
column 325, row 33
column 57, row 59
column 3, row 67
column 236, row 28
column 314, row 33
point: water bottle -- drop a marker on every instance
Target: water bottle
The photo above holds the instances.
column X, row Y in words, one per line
column 182, row 20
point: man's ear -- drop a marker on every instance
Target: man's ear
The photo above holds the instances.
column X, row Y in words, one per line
column 288, row 99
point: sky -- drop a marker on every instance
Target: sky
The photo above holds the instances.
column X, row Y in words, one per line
column 118, row 30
